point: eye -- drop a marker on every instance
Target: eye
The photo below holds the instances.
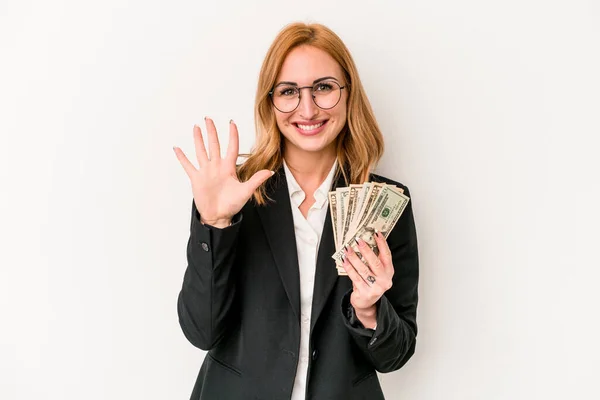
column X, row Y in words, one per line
column 323, row 87
column 287, row 91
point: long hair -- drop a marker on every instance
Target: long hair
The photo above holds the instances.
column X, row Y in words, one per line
column 359, row 145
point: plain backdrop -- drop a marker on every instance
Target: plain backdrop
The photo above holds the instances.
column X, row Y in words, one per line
column 490, row 115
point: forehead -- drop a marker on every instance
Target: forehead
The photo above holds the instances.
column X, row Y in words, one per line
column 305, row 63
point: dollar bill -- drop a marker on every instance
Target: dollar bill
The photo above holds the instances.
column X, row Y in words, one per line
column 361, row 197
column 351, row 210
column 370, row 199
column 342, row 207
column 334, row 216
column 383, row 213
column 360, row 201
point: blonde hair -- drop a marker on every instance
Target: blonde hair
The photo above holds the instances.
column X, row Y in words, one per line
column 359, row 145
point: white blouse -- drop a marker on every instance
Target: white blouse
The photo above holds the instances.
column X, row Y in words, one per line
column 308, row 236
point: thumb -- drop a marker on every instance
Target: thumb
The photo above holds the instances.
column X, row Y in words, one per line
column 258, row 179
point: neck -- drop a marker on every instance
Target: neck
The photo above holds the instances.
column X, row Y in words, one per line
column 310, row 168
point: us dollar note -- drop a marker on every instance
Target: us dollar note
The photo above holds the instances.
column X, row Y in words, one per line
column 360, row 201
column 334, row 216
column 350, row 211
column 370, row 199
column 382, row 216
column 361, row 196
column 372, row 191
column 342, row 207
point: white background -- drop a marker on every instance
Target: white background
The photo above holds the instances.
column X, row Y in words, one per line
column 490, row 115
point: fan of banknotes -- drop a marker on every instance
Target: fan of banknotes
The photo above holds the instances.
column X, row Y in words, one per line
column 357, row 211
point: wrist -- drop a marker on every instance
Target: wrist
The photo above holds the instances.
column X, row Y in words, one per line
column 367, row 316
column 218, row 223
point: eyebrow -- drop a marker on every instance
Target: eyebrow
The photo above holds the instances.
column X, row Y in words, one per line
column 314, row 82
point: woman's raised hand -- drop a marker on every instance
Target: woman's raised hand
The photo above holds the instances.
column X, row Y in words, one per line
column 218, row 193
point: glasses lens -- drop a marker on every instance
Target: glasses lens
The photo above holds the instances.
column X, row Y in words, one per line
column 285, row 98
column 327, row 94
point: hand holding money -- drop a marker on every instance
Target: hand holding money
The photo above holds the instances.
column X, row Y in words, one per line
column 359, row 211
column 370, row 278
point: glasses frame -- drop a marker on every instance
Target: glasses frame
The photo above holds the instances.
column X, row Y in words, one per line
column 312, row 95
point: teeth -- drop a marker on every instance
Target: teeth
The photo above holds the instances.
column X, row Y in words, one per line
column 309, row 127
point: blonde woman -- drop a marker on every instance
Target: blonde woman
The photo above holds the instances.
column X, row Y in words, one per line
column 261, row 293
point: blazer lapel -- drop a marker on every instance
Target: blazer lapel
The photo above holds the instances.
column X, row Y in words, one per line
column 326, row 274
column 278, row 224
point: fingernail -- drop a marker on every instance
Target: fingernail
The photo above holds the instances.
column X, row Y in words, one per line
column 231, row 121
column 272, row 173
column 173, row 148
column 205, row 118
column 357, row 242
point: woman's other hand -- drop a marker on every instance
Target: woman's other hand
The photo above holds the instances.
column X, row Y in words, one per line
column 218, row 193
column 370, row 280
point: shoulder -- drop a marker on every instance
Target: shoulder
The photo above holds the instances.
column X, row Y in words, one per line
column 404, row 232
column 388, row 181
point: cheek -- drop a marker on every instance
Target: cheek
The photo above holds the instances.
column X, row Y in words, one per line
column 341, row 112
column 281, row 120
column 340, row 117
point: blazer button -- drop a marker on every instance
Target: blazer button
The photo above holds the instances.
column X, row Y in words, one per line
column 315, row 354
column 204, row 246
column 372, row 342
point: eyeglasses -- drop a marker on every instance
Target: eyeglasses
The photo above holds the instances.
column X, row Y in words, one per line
column 325, row 94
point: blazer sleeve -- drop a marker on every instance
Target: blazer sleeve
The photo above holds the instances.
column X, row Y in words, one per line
column 393, row 341
column 206, row 301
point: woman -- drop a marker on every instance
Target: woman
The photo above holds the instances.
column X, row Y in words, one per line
column 261, row 292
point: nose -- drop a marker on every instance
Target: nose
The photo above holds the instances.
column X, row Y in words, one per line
column 307, row 108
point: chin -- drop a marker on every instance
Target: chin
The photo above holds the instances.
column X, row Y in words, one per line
column 305, row 146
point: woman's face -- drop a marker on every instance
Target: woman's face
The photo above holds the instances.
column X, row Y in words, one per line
column 310, row 128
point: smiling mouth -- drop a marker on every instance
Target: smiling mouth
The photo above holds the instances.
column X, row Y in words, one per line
column 309, row 128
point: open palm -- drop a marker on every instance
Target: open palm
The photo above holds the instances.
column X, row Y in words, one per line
column 218, row 193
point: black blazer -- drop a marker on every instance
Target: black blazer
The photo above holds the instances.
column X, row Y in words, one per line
column 240, row 300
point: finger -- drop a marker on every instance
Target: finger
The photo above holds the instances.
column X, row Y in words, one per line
column 385, row 254
column 360, row 267
column 357, row 280
column 201, row 155
column 214, row 149
column 372, row 260
column 257, row 179
column 233, row 146
column 185, row 163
